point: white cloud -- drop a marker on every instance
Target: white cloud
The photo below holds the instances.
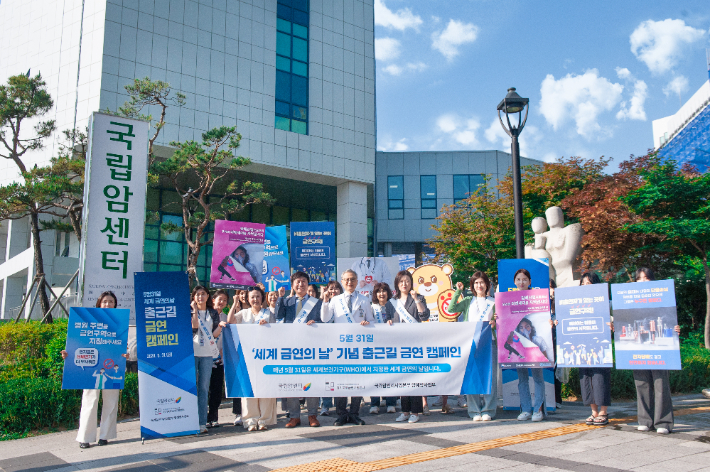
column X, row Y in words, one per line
column 581, row 98
column 462, row 131
column 529, row 139
column 386, row 144
column 676, row 86
column 400, row 20
column 454, row 35
column 635, row 110
column 623, row 73
column 659, row 44
column 394, row 69
column 387, row 49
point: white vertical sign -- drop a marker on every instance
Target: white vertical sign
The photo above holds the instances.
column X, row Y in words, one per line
column 114, row 209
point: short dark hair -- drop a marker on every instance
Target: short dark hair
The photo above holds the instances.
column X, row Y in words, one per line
column 553, row 284
column 316, row 288
column 645, row 270
column 336, row 284
column 197, row 289
column 380, row 286
column 401, row 274
column 522, row 271
column 298, row 275
column 219, row 292
column 257, row 289
column 107, row 293
column 480, row 275
column 591, row 276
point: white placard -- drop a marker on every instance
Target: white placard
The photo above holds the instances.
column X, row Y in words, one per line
column 114, row 209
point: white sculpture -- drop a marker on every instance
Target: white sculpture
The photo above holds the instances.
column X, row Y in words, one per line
column 562, row 245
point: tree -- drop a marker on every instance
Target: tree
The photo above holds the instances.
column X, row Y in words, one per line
column 673, row 208
column 21, row 100
column 206, row 165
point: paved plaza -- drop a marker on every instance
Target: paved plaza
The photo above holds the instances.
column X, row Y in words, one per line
column 438, row 442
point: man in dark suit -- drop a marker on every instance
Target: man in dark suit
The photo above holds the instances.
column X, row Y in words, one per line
column 300, row 308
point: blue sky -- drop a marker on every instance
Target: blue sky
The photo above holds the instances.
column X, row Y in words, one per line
column 597, row 73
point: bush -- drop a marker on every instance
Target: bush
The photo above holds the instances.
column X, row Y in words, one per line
column 30, row 350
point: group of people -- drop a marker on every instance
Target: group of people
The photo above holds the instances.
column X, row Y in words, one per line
column 342, row 303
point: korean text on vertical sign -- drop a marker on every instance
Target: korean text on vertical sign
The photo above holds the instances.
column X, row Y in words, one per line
column 114, row 208
column 313, row 250
column 166, row 363
column 644, row 320
column 96, row 340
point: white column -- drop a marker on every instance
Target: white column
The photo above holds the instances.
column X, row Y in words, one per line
column 352, row 219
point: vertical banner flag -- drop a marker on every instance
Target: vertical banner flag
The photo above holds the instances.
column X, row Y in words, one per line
column 115, row 182
column 276, row 273
column 96, row 340
column 313, row 250
column 539, row 270
column 583, row 331
column 523, row 329
column 342, row 360
column 166, row 364
column 370, row 271
column 644, row 321
column 237, row 254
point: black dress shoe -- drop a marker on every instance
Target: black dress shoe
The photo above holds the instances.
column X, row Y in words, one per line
column 341, row 421
column 84, row 445
column 356, row 420
column 102, row 442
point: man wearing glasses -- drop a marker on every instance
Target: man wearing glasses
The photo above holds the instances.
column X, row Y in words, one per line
column 300, row 308
column 348, row 307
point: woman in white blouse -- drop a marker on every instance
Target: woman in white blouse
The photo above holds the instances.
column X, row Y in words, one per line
column 259, row 412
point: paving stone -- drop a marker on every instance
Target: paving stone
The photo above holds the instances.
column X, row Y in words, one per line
column 32, row 463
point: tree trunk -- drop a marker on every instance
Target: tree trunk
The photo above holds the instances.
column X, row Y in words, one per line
column 39, row 265
column 193, row 255
column 707, row 301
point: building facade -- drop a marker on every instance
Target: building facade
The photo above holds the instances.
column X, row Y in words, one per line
column 296, row 77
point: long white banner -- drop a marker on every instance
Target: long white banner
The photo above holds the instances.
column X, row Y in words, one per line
column 322, row 360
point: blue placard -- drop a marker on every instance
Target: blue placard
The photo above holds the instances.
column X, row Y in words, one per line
column 539, row 273
column 276, row 273
column 96, row 340
column 644, row 320
column 583, row 332
column 166, row 363
column 313, row 250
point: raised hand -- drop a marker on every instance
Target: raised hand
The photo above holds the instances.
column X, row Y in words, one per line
column 459, row 285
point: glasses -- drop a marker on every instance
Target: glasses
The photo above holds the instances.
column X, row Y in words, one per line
column 351, row 279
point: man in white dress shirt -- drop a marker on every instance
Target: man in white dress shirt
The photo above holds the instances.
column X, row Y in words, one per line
column 348, row 307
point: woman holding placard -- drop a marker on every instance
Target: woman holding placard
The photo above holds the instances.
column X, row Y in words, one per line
column 381, row 294
column 259, row 412
column 90, row 399
column 653, row 389
column 407, row 307
column 479, row 308
column 206, row 326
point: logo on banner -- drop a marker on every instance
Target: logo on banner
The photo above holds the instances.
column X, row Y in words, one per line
column 330, row 386
column 108, row 364
column 307, row 387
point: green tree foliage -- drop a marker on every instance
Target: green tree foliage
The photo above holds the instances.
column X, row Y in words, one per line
column 26, row 99
column 196, row 170
column 674, row 206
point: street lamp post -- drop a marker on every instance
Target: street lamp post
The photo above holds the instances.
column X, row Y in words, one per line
column 513, row 104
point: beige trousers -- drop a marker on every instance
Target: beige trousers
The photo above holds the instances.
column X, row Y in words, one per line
column 89, row 409
column 259, row 411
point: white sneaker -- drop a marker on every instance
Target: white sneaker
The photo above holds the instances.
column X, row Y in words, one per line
column 402, row 417
column 426, row 410
column 486, row 417
column 538, row 416
column 237, row 420
column 413, row 418
column 462, row 401
column 203, row 429
column 642, row 428
column 524, row 416
column 658, row 430
column 324, row 412
column 477, row 418
column 558, row 405
column 374, row 410
column 391, row 409
column 437, row 401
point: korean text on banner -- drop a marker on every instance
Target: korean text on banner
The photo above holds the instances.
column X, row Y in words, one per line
column 96, row 340
column 166, row 364
column 276, row 273
column 352, row 360
column 237, row 254
column 583, row 331
column 523, row 329
column 644, row 321
column 313, row 250
column 114, row 208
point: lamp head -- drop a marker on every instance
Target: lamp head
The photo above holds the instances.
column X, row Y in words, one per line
column 512, row 103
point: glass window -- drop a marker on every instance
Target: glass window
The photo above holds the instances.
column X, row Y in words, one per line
column 300, row 17
column 282, row 108
column 283, row 63
column 292, row 66
column 150, row 251
column 283, row 86
column 174, row 236
column 318, row 216
column 282, row 11
column 283, row 123
column 300, row 68
column 280, row 215
column 299, row 90
column 300, row 113
column 300, row 4
column 171, row 252
column 283, row 25
column 283, row 44
column 476, row 181
column 299, row 127
column 300, row 31
column 466, row 185
column 300, row 49
column 428, row 213
column 261, row 214
column 297, row 214
column 427, row 185
column 152, row 232
column 395, row 196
